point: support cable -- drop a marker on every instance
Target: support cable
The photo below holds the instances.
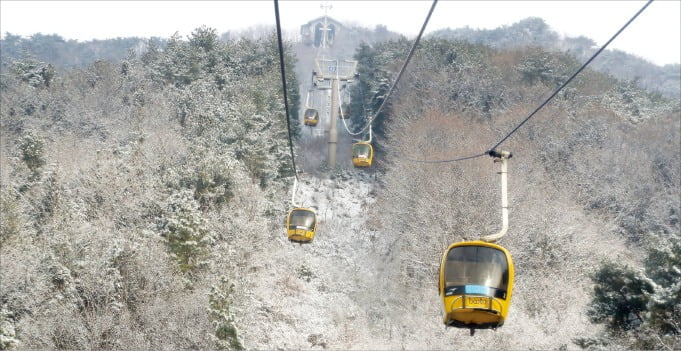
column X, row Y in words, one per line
column 404, row 66
column 546, row 101
column 571, row 77
column 283, row 81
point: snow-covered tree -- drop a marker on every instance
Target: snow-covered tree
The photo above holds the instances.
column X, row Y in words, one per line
column 185, row 232
column 222, row 317
column 643, row 305
column 33, row 152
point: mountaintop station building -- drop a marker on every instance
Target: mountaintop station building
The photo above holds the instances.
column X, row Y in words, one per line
column 313, row 32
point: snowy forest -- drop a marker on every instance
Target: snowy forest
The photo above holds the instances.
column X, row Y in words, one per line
column 143, row 199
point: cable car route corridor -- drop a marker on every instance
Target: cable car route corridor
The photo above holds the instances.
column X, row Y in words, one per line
column 396, row 264
column 320, row 288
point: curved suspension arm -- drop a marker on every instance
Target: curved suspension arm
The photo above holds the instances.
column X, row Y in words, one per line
column 501, row 157
column 307, row 100
column 295, row 188
column 346, row 124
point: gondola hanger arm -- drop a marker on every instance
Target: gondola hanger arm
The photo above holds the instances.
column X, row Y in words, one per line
column 295, row 188
column 501, row 157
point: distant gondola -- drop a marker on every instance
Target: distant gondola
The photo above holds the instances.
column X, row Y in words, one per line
column 301, row 224
column 311, row 117
column 362, row 154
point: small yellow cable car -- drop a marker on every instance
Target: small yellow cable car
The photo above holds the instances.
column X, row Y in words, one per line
column 362, row 154
column 476, row 284
column 301, row 224
column 476, row 277
column 311, row 117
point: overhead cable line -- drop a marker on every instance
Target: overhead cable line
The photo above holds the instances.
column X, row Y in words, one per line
column 404, row 66
column 283, row 81
column 464, row 158
column 555, row 92
column 572, row 77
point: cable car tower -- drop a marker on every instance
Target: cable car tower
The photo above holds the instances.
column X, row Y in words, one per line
column 476, row 277
column 328, row 74
column 314, row 102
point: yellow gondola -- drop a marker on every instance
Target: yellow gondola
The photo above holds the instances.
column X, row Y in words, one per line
column 301, row 224
column 362, row 154
column 476, row 284
column 476, row 277
column 311, row 117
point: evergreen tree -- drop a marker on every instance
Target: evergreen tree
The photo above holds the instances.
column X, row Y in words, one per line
column 185, row 232
column 620, row 297
column 641, row 308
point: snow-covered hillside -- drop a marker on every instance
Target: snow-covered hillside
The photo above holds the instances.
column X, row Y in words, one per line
column 317, row 294
column 356, row 286
column 143, row 202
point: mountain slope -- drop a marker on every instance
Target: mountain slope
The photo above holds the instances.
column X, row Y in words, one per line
column 143, row 202
column 535, row 32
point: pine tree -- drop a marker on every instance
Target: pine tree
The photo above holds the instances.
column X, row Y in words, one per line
column 644, row 305
column 620, row 297
column 185, row 232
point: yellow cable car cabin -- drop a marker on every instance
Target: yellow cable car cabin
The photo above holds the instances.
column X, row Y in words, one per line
column 476, row 282
column 301, row 224
column 362, row 154
column 311, row 117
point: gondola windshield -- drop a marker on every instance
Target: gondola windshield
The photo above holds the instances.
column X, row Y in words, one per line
column 301, row 219
column 476, row 270
column 361, row 150
column 310, row 114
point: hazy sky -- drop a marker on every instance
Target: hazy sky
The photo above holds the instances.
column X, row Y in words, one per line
column 655, row 35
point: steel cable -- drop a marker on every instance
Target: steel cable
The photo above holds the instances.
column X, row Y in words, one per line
column 404, row 66
column 283, row 81
column 546, row 101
